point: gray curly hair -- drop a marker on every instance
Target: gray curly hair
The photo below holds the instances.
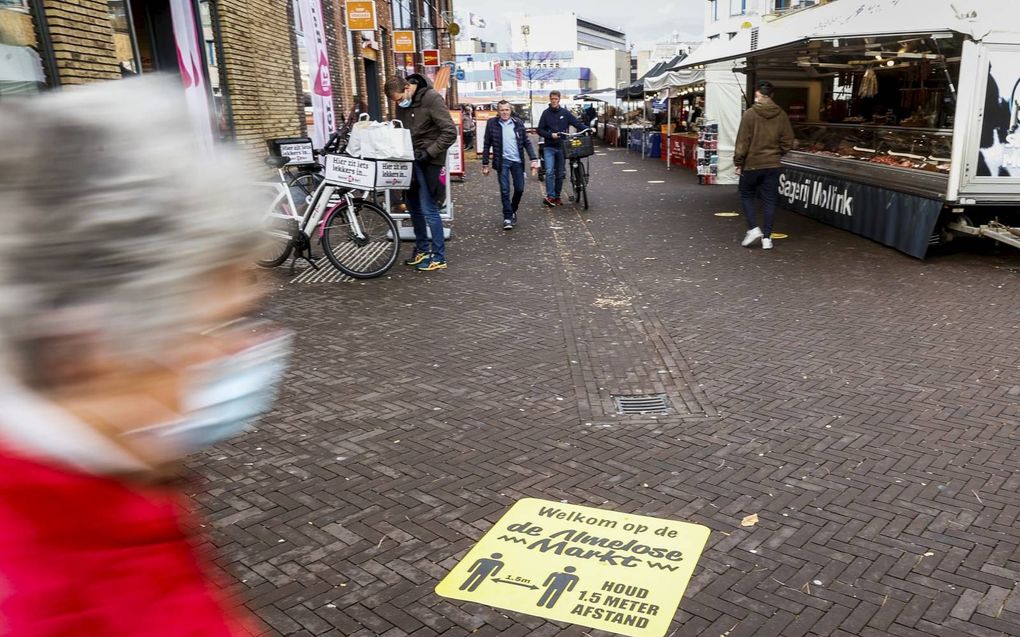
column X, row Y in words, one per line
column 111, row 217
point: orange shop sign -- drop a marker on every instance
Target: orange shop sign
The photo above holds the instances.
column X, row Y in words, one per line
column 430, row 57
column 403, row 42
column 361, row 15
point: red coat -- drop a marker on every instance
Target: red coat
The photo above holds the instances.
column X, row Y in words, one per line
column 88, row 556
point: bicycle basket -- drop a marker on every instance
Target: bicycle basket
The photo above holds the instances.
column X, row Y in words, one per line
column 575, row 147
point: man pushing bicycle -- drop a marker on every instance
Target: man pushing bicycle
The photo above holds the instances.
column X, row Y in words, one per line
column 553, row 124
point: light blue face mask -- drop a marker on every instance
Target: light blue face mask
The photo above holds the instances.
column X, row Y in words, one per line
column 404, row 103
column 223, row 397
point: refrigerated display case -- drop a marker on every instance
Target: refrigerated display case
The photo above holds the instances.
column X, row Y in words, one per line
column 901, row 158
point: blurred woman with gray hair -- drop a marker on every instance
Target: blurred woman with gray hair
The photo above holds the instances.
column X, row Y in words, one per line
column 123, row 276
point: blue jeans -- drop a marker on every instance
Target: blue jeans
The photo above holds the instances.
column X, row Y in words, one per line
column 554, row 170
column 421, row 204
column 508, row 169
column 763, row 183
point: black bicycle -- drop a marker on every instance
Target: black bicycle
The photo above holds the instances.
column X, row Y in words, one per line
column 577, row 148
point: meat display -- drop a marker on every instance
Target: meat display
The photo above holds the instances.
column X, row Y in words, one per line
column 914, row 149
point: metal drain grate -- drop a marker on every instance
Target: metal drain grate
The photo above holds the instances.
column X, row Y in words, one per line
column 641, row 404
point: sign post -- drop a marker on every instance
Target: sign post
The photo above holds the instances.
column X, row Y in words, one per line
column 403, row 42
column 457, row 150
column 361, row 15
column 430, row 57
column 611, row 571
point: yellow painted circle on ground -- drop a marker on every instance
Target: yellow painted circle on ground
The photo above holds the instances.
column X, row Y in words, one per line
column 727, row 214
column 780, row 235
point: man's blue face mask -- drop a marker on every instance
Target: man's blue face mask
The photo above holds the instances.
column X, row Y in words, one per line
column 404, row 103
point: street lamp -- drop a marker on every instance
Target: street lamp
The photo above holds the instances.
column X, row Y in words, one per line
column 526, row 31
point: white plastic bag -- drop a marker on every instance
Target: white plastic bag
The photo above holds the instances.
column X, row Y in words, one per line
column 381, row 140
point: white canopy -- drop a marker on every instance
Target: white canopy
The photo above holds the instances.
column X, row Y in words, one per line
column 684, row 77
column 864, row 18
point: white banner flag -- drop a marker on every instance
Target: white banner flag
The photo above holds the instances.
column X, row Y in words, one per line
column 318, row 72
column 189, row 60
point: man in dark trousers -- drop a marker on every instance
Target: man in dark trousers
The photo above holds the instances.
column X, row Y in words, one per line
column 554, row 122
column 506, row 137
column 423, row 112
column 765, row 135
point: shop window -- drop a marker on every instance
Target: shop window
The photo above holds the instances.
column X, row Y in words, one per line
column 124, row 44
column 738, row 7
column 21, row 66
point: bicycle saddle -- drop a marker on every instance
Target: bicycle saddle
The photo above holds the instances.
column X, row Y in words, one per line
column 276, row 162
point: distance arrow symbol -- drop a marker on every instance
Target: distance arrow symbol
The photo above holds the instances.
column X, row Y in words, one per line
column 506, row 581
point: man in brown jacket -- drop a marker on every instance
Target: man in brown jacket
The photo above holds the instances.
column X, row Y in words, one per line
column 765, row 135
column 423, row 111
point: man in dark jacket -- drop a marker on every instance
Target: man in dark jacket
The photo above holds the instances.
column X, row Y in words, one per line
column 506, row 137
column 554, row 122
column 423, row 112
column 765, row 135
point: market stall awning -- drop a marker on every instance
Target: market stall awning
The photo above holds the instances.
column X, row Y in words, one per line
column 674, row 79
column 858, row 19
column 601, row 95
column 636, row 90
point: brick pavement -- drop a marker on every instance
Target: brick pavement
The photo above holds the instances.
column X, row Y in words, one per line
column 862, row 403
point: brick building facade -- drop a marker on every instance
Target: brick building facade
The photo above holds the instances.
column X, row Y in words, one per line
column 252, row 51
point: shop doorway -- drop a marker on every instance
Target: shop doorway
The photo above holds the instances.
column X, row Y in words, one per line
column 155, row 34
column 372, row 88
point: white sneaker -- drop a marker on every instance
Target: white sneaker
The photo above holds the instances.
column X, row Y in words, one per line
column 752, row 235
column 766, row 243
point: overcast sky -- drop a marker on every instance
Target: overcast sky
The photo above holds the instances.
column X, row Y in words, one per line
column 645, row 22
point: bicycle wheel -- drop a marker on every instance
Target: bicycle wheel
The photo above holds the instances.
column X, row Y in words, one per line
column 582, row 179
column 575, row 182
column 363, row 252
column 303, row 186
column 278, row 228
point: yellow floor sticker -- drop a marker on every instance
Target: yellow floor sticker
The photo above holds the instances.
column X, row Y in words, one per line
column 727, row 214
column 780, row 235
column 612, row 571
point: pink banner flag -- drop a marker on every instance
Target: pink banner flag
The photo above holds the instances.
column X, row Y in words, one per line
column 318, row 72
column 189, row 60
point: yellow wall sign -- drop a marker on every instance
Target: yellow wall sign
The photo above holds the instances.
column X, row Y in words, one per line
column 361, row 15
column 602, row 569
column 403, row 42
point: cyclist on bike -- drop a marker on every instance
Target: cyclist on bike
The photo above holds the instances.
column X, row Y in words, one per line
column 555, row 121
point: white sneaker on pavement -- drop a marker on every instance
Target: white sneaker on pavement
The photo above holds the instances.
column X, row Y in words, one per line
column 752, row 235
column 766, row 243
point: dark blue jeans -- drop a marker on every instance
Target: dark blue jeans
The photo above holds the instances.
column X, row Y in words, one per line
column 762, row 183
column 424, row 211
column 554, row 170
column 508, row 170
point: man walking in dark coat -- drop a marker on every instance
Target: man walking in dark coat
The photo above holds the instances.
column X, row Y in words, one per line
column 555, row 121
column 507, row 139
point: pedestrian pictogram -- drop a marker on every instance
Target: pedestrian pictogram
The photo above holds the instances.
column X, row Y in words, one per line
column 607, row 570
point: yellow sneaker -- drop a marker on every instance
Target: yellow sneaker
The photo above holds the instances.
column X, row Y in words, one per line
column 431, row 264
